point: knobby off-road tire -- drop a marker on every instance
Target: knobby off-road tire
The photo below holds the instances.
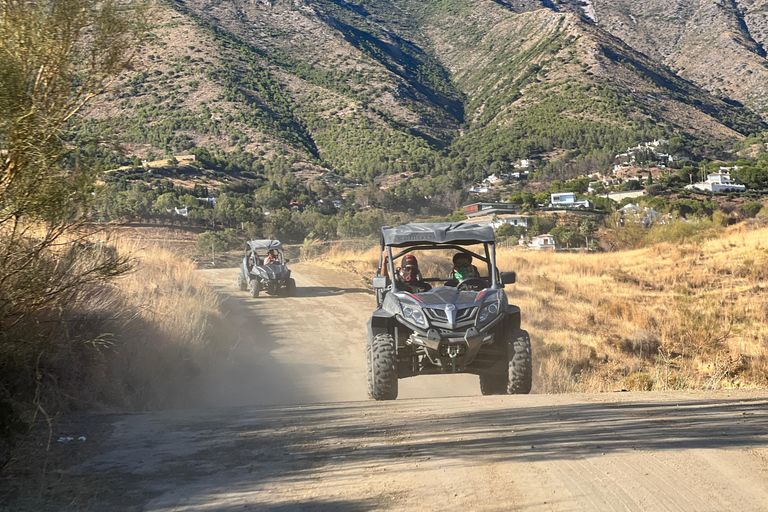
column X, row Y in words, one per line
column 255, row 288
column 520, row 363
column 382, row 368
column 242, row 285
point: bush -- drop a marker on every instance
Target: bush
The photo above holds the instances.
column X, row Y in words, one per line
column 751, row 209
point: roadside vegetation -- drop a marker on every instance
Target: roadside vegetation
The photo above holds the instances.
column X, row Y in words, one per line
column 85, row 322
column 688, row 312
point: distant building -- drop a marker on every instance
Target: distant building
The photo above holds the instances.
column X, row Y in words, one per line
column 644, row 216
column 718, row 182
column 181, row 211
column 542, row 242
column 477, row 209
column 568, row 200
column 512, row 220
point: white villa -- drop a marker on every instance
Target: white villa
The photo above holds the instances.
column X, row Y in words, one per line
column 541, row 242
column 718, row 182
column 568, row 200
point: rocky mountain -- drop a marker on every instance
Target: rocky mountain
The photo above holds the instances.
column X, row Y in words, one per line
column 720, row 45
column 434, row 87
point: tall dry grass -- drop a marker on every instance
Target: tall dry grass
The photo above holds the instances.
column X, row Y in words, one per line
column 671, row 316
column 167, row 322
column 128, row 343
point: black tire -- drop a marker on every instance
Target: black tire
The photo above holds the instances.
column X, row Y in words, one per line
column 290, row 287
column 369, row 379
column 493, row 383
column 242, row 285
column 255, row 288
column 382, row 368
column 520, row 372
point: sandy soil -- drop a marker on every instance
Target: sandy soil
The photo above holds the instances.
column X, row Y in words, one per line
column 284, row 424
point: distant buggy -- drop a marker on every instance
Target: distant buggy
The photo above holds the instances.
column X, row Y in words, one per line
column 259, row 274
column 465, row 327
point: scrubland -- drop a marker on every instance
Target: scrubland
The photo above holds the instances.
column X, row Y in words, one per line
column 685, row 315
column 132, row 342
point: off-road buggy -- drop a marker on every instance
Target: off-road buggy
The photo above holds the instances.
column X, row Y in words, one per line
column 469, row 328
column 256, row 275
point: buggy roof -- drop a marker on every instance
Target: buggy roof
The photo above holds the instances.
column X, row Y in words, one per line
column 461, row 233
column 265, row 244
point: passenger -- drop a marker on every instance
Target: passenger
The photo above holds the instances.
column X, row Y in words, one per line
column 408, row 276
column 272, row 258
column 463, row 269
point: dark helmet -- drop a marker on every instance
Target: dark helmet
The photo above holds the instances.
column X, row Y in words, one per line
column 409, row 268
column 462, row 256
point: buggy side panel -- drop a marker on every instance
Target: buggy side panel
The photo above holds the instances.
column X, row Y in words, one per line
column 381, row 322
column 512, row 318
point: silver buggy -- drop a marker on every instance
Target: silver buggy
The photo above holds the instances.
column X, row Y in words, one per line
column 264, row 269
column 447, row 325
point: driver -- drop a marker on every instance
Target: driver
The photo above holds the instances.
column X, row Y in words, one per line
column 463, row 269
column 408, row 276
column 272, row 258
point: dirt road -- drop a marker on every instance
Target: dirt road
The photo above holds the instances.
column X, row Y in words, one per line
column 293, row 430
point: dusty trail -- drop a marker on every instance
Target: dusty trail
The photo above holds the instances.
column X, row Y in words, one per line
column 305, row 349
column 297, row 433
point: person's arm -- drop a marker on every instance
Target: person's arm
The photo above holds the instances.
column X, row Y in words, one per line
column 384, row 270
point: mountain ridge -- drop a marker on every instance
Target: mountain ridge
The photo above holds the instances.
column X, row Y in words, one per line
column 369, row 88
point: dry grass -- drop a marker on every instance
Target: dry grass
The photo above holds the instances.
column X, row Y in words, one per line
column 685, row 316
column 164, row 316
column 130, row 343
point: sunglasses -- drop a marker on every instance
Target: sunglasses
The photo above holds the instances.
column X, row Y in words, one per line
column 410, row 269
column 462, row 264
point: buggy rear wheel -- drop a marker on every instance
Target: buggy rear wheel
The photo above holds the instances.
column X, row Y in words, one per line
column 255, row 288
column 382, row 368
column 241, row 284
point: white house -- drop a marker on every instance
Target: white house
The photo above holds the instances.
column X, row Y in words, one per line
column 542, row 242
column 181, row 211
column 512, row 220
column 568, row 200
column 644, row 216
column 718, row 182
column 491, row 179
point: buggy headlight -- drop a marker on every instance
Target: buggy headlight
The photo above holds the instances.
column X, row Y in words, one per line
column 414, row 314
column 487, row 311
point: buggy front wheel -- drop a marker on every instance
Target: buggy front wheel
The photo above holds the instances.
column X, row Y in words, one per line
column 382, row 368
column 255, row 288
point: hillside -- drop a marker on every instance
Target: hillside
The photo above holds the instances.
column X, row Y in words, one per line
column 369, row 88
column 718, row 45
